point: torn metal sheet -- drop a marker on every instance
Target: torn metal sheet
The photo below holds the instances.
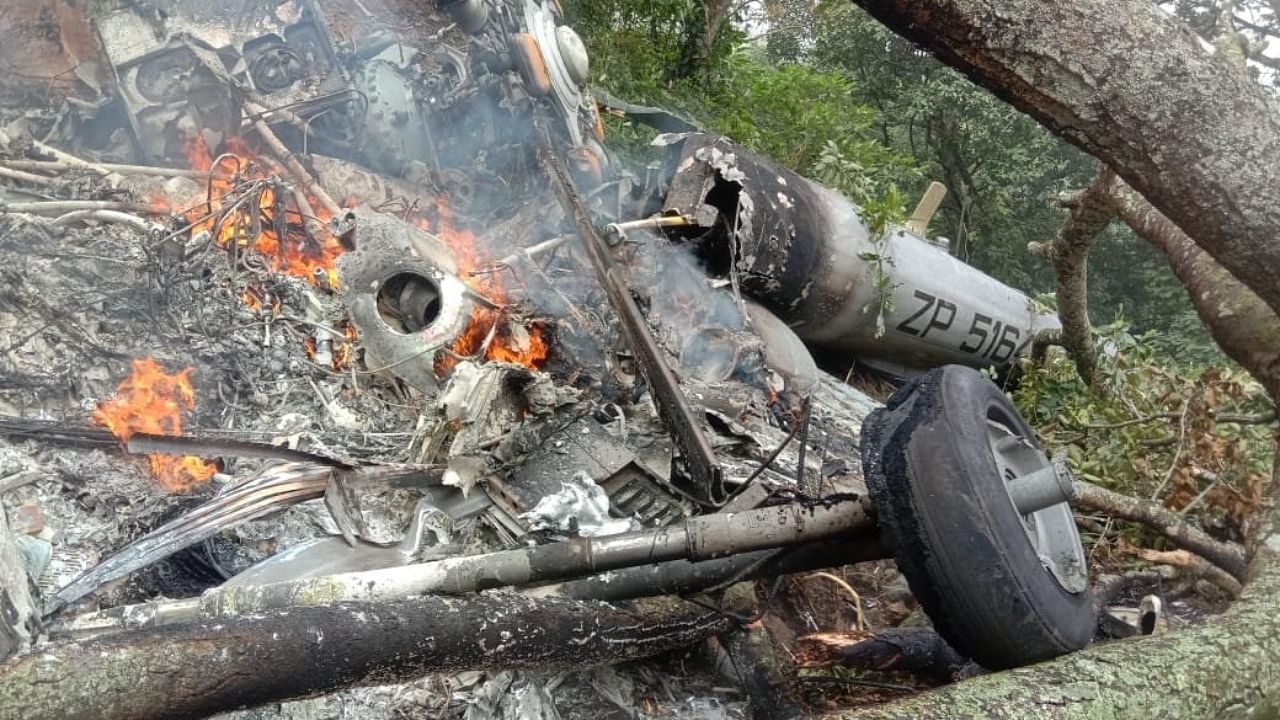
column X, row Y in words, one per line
column 585, row 446
column 580, row 507
column 277, row 487
column 429, row 527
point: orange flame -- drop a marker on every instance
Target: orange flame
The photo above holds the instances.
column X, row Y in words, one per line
column 509, row 343
column 251, row 299
column 152, row 401
column 313, row 259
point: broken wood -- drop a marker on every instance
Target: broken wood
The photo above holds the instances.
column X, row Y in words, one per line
column 1194, row 565
column 198, row 669
column 1228, row 556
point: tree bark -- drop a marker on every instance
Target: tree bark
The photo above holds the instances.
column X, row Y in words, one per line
column 1227, row 556
column 1090, row 213
column 1226, row 667
column 1132, row 86
column 195, row 670
column 1246, row 329
column 700, row 38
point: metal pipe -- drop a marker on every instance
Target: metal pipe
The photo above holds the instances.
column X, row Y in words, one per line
column 679, row 577
column 54, row 165
column 701, row 553
column 699, row 538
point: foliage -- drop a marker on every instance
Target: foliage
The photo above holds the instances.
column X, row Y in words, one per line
column 802, row 117
column 1156, row 430
column 881, row 214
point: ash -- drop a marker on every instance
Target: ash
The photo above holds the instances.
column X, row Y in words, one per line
column 344, row 372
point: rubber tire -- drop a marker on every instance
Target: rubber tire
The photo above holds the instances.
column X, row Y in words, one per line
column 941, row 504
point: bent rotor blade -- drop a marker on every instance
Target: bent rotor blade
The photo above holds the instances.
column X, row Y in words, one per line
column 275, row 488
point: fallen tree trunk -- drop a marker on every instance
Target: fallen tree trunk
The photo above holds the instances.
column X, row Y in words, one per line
column 1229, row 666
column 195, row 670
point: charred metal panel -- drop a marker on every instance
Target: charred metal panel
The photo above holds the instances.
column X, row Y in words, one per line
column 805, row 253
column 191, row 66
column 404, row 296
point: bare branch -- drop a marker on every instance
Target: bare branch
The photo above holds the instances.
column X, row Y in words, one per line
column 1090, row 213
column 1228, row 556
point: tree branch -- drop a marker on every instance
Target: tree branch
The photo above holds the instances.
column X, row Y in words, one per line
column 1199, row 146
column 1245, row 327
column 1090, row 213
column 198, row 669
column 1228, row 556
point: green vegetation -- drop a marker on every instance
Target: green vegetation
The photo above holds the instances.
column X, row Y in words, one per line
column 807, row 118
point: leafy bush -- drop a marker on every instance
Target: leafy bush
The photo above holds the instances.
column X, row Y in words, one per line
column 1151, row 429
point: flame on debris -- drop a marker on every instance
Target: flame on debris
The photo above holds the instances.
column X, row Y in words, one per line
column 252, row 299
column 507, row 341
column 340, row 351
column 250, row 224
column 152, row 401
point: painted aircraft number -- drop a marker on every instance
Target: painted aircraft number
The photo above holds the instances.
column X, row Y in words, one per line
column 987, row 338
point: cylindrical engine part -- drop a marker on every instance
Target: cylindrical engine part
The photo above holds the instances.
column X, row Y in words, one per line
column 804, row 251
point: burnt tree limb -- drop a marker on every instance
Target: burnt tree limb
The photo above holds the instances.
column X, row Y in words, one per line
column 198, row 669
column 1133, row 86
column 916, row 650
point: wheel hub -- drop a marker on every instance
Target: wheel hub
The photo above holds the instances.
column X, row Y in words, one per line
column 1039, row 491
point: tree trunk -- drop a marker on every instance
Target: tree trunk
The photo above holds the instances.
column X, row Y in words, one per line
column 700, row 38
column 1228, row 666
column 195, row 670
column 1134, row 87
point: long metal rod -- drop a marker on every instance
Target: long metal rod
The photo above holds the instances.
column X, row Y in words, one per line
column 701, row 538
column 678, row 577
column 694, row 446
column 58, row 166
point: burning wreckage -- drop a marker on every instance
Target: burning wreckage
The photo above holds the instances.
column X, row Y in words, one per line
column 428, row 381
